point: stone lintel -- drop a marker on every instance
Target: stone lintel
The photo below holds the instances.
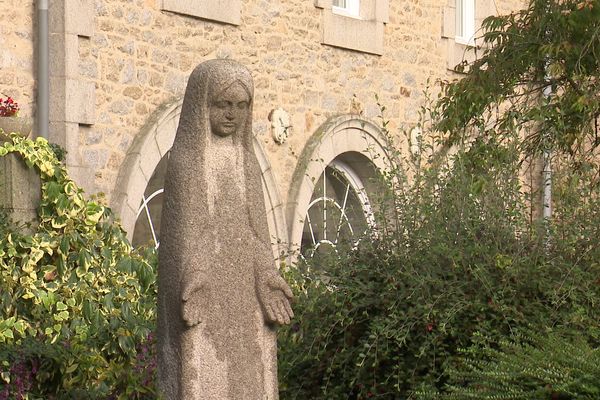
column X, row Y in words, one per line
column 353, row 33
column 227, row 11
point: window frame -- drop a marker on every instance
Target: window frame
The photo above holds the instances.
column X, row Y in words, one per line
column 351, row 8
column 345, row 175
column 363, row 33
column 458, row 50
column 465, row 22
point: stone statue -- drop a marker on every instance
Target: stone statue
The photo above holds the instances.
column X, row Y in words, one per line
column 219, row 291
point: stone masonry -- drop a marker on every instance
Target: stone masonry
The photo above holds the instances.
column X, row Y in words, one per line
column 137, row 58
column 16, row 53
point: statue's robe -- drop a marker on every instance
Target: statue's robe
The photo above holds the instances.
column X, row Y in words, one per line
column 214, row 231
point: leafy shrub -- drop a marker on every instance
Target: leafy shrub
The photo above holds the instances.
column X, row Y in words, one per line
column 537, row 366
column 455, row 256
column 77, row 304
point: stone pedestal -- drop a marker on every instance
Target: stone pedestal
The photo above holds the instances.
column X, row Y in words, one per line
column 20, row 190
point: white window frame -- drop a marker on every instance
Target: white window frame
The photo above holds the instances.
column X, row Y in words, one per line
column 465, row 22
column 351, row 8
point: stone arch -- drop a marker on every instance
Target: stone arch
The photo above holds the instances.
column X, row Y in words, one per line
column 151, row 145
column 338, row 136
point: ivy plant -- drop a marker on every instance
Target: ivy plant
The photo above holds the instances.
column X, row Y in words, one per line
column 77, row 303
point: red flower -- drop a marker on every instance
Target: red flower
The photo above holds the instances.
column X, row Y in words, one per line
column 8, row 107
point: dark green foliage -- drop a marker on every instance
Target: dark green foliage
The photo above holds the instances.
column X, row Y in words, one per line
column 535, row 367
column 551, row 46
column 456, row 257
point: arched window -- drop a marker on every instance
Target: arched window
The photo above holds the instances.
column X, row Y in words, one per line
column 339, row 214
column 146, row 231
column 330, row 208
column 137, row 197
column 147, row 224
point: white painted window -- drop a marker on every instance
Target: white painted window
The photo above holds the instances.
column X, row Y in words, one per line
column 465, row 22
column 347, row 7
column 354, row 24
column 339, row 213
column 147, row 224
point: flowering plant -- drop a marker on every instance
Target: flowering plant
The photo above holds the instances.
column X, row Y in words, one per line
column 8, row 107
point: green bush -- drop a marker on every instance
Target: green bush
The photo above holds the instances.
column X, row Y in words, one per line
column 456, row 256
column 77, row 304
column 533, row 367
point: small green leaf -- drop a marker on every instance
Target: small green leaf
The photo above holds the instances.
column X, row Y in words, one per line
column 53, row 190
column 71, row 368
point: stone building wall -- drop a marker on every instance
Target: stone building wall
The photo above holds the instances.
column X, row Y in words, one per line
column 125, row 60
column 140, row 57
column 17, row 25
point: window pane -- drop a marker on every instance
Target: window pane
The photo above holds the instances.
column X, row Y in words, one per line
column 351, row 7
column 465, row 21
column 337, row 215
column 459, row 18
column 147, row 225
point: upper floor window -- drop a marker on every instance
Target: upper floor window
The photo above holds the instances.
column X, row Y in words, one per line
column 347, row 7
column 465, row 22
column 461, row 19
column 354, row 24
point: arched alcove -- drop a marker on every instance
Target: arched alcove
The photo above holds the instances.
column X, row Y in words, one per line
column 348, row 144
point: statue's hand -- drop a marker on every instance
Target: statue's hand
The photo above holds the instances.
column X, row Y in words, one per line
column 194, row 299
column 275, row 296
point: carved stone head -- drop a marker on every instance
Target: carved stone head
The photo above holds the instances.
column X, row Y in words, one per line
column 218, row 100
column 229, row 109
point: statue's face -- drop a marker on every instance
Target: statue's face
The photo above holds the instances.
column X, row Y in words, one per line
column 229, row 110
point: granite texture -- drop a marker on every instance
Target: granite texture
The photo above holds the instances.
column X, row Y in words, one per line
column 220, row 293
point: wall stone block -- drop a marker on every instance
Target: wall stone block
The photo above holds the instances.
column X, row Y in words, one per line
column 20, row 189
column 227, row 11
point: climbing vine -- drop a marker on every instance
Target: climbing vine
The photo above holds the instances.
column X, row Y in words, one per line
column 77, row 303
